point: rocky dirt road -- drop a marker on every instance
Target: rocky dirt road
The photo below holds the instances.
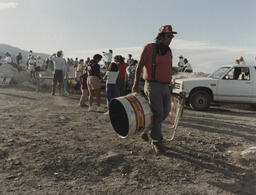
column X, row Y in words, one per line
column 49, row 145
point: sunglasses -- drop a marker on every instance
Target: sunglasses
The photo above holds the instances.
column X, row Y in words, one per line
column 170, row 36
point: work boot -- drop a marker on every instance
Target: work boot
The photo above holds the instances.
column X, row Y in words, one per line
column 158, row 147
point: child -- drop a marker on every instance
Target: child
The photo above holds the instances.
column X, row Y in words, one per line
column 83, row 83
column 110, row 78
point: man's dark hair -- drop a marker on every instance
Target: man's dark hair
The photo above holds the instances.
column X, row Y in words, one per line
column 97, row 57
column 119, row 59
column 59, row 53
column 113, row 67
column 110, row 51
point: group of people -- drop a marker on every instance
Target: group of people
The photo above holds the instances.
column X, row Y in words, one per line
column 7, row 59
column 119, row 79
column 155, row 64
column 240, row 61
column 184, row 65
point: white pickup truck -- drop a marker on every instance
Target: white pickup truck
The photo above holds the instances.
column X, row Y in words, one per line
column 230, row 83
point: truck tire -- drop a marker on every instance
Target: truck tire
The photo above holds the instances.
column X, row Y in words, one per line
column 200, row 100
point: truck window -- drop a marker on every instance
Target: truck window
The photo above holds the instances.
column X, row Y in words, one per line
column 219, row 73
column 238, row 73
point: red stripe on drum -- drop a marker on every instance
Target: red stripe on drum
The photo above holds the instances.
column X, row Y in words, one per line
column 141, row 116
column 132, row 102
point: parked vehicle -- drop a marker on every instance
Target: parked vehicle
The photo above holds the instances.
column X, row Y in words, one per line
column 230, row 83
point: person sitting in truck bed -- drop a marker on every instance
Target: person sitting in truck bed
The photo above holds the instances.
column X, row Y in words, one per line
column 187, row 67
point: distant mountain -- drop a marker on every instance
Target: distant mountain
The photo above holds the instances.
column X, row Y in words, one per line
column 14, row 52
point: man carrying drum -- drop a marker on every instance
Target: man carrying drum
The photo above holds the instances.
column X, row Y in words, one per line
column 156, row 64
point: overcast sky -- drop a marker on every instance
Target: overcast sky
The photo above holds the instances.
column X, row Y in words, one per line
column 78, row 26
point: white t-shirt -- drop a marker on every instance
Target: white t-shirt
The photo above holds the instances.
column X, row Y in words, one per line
column 59, row 63
column 108, row 57
column 181, row 63
column 8, row 59
column 242, row 63
column 111, row 77
column 188, row 66
column 31, row 66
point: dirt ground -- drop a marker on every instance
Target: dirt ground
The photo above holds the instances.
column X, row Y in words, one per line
column 49, row 145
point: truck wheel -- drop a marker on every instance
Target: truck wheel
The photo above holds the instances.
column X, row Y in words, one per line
column 200, row 100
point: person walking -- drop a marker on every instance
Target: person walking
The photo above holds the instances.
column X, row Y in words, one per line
column 156, row 64
column 110, row 78
column 93, row 82
column 59, row 65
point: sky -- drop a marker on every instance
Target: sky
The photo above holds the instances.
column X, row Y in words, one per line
column 210, row 32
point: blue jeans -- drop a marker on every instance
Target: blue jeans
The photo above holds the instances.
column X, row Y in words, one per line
column 111, row 92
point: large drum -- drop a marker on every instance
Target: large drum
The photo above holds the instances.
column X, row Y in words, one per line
column 130, row 115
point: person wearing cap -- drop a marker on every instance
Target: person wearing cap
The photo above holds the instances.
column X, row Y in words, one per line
column 156, row 65
column 180, row 63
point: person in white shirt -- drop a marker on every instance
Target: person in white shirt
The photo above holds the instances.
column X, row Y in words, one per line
column 59, row 65
column 108, row 58
column 180, row 63
column 187, row 67
column 110, row 78
column 241, row 60
column 31, row 66
column 8, row 59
